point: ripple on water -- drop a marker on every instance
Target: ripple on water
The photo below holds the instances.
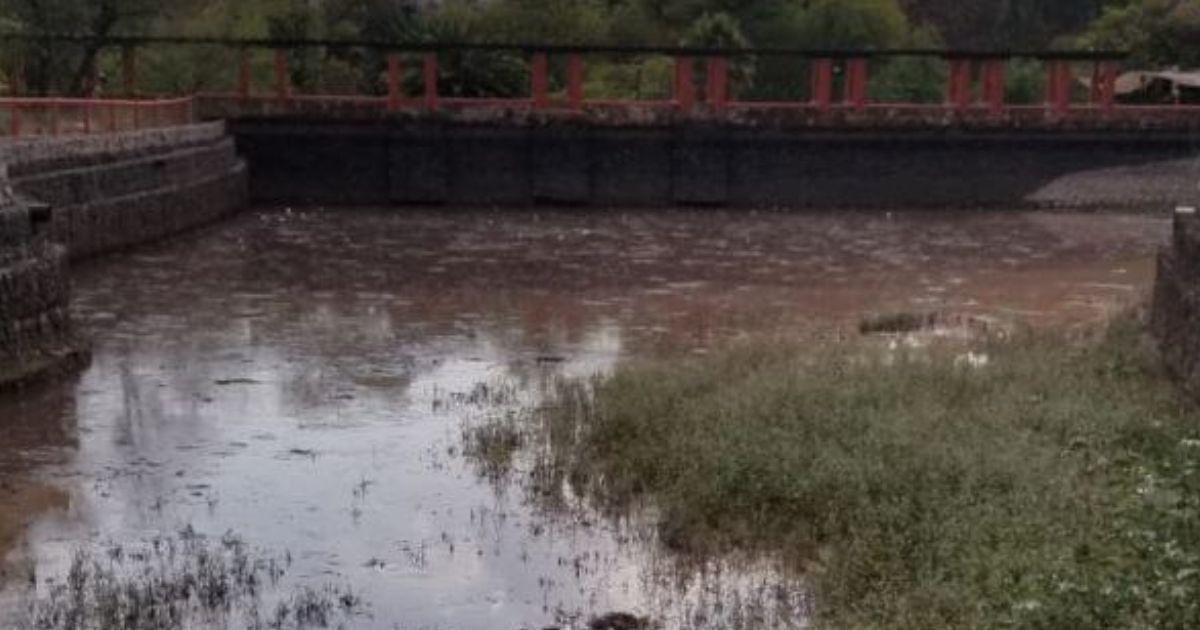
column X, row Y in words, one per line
column 303, row 379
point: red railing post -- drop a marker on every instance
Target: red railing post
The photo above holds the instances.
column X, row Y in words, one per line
column 430, row 73
column 112, row 118
column 958, row 86
column 243, row 80
column 92, row 74
column 14, row 120
column 283, row 87
column 393, row 79
column 856, row 83
column 717, row 92
column 575, row 80
column 539, row 87
column 54, row 113
column 993, row 86
column 18, row 82
column 1108, row 85
column 129, row 70
column 1058, row 85
column 822, row 84
column 87, row 117
column 685, row 86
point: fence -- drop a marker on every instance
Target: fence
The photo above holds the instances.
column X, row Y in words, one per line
column 23, row 117
column 390, row 76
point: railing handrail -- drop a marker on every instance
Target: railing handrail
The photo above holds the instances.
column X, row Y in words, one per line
column 59, row 115
column 125, row 41
column 51, row 101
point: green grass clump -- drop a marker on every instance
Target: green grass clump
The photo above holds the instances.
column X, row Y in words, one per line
column 1057, row 487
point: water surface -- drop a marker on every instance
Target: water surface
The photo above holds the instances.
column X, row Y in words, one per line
column 304, row 379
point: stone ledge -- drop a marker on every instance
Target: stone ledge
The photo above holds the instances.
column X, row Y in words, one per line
column 37, row 155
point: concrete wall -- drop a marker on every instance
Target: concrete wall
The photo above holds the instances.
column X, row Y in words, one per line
column 1175, row 315
column 414, row 161
column 115, row 191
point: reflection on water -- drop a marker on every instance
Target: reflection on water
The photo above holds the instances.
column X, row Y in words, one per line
column 286, row 375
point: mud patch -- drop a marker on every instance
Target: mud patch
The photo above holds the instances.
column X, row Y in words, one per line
column 21, row 503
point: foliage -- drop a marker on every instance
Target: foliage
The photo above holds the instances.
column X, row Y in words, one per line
column 1159, row 32
column 1012, row 24
column 721, row 30
column 68, row 68
column 1057, row 487
column 470, row 73
column 851, row 24
column 911, row 79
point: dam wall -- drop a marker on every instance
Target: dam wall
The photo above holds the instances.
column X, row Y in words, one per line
column 530, row 162
column 109, row 192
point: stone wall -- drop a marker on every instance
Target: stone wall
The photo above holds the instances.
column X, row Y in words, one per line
column 35, row 326
column 69, row 198
column 115, row 191
column 523, row 163
column 1175, row 315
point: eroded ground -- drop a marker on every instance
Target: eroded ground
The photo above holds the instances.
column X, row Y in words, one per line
column 304, row 379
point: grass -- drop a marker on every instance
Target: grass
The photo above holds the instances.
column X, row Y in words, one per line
column 185, row 582
column 1058, row 487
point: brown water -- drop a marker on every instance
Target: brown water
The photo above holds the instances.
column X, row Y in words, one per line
column 302, row 379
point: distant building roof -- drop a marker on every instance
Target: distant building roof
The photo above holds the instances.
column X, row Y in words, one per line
column 1137, row 80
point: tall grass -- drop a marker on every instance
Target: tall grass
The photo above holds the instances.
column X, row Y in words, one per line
column 1057, row 487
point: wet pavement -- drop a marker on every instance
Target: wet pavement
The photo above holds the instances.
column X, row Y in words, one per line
column 304, row 379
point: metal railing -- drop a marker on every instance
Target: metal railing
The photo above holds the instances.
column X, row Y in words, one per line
column 414, row 76
column 25, row 117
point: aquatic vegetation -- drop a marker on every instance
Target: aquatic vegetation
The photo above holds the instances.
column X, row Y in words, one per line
column 185, row 581
column 1055, row 487
column 494, row 444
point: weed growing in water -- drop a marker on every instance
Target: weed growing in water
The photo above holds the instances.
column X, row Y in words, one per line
column 1056, row 487
column 184, row 582
column 493, row 445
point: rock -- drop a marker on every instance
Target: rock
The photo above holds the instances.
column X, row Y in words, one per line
column 619, row 621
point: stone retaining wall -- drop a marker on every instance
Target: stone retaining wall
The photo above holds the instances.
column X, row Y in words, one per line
column 35, row 326
column 100, row 194
column 111, row 192
column 1175, row 316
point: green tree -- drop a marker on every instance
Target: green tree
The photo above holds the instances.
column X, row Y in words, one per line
column 871, row 24
column 56, row 67
column 911, row 79
column 722, row 30
column 1156, row 32
column 825, row 24
column 470, row 73
column 545, row 21
column 1005, row 24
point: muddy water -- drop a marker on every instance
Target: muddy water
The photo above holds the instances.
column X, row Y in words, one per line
column 304, row 379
